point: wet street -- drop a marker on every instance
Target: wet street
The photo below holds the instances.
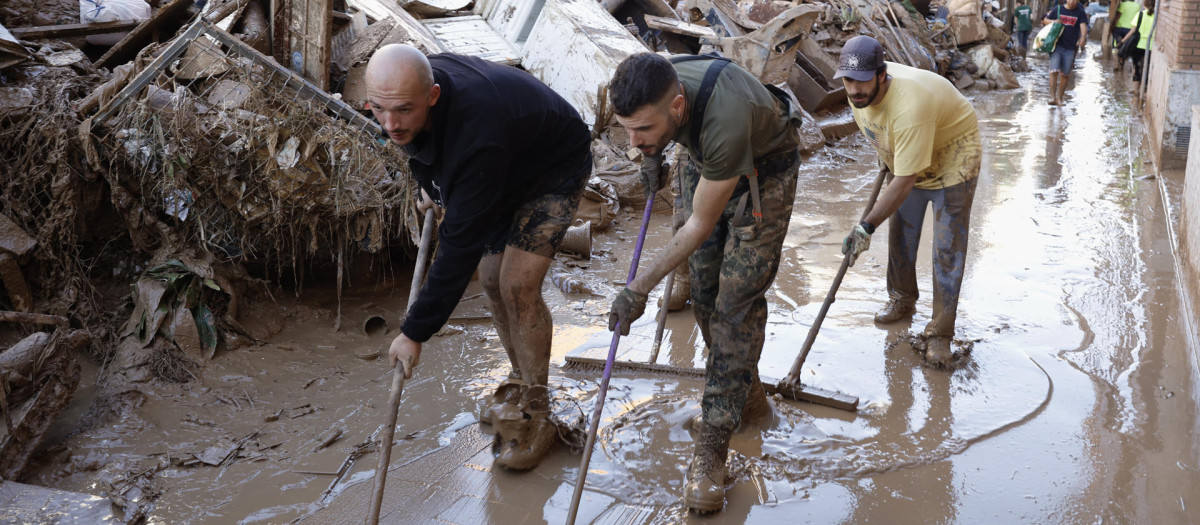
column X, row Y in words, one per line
column 1073, row 398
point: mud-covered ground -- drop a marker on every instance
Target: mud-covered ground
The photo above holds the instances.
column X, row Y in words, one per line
column 1073, row 399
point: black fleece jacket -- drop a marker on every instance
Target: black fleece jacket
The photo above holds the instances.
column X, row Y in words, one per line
column 498, row 138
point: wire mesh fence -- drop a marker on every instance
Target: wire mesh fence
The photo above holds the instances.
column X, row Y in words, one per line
column 235, row 153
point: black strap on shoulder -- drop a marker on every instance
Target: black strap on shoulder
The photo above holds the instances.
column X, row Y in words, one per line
column 702, row 96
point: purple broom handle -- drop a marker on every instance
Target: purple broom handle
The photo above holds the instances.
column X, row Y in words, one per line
column 608, row 365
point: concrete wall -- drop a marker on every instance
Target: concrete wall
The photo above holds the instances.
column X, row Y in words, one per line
column 1173, row 85
column 1189, row 220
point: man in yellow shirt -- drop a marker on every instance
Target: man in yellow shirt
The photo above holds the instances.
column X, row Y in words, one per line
column 927, row 137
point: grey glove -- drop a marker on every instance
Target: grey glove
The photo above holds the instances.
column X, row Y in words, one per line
column 626, row 308
column 857, row 242
column 654, row 174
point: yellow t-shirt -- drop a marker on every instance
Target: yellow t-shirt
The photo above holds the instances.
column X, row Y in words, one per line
column 923, row 127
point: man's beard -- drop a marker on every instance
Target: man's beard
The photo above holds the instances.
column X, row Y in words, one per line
column 870, row 98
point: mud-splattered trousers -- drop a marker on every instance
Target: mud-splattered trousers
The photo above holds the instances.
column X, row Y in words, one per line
column 951, row 226
column 730, row 277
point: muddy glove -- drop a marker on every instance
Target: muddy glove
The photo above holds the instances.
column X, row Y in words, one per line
column 654, row 175
column 626, row 308
column 858, row 241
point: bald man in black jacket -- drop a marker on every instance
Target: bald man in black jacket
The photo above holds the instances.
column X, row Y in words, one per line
column 507, row 158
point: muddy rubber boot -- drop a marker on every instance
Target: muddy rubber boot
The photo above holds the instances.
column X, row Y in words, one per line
column 894, row 311
column 525, row 442
column 507, row 393
column 681, row 292
column 937, row 351
column 704, row 491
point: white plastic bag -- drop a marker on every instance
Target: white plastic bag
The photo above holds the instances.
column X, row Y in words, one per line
column 91, row 11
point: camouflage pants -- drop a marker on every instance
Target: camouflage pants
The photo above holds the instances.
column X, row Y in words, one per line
column 730, row 277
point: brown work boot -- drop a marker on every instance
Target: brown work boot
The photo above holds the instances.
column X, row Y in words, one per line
column 894, row 311
column 757, row 408
column 526, row 435
column 937, row 350
column 507, row 393
column 704, row 491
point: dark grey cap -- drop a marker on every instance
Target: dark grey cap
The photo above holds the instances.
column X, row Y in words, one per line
column 861, row 56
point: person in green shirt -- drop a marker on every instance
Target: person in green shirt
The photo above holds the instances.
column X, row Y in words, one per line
column 1121, row 25
column 738, row 187
column 1022, row 25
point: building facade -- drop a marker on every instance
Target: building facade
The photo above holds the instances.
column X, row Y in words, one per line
column 1173, row 81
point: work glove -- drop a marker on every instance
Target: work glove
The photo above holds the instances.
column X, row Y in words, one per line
column 626, row 308
column 857, row 242
column 654, row 175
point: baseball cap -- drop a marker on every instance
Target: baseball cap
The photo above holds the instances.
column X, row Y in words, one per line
column 861, row 56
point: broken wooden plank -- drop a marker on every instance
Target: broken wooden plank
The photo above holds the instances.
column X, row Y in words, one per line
column 471, row 35
column 32, row 318
column 70, row 30
column 309, row 33
column 432, row 8
column 658, row 8
column 679, row 27
column 128, row 47
column 11, row 51
column 422, row 37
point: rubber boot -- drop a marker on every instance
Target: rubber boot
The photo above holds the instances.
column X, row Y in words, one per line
column 894, row 311
column 1053, row 89
column 681, row 292
column 525, row 441
column 704, row 490
column 507, row 393
column 937, row 350
column 756, row 410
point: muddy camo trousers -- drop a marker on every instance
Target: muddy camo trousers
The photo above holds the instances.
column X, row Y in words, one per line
column 951, row 225
column 730, row 278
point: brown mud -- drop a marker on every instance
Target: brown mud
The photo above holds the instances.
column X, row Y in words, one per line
column 1073, row 397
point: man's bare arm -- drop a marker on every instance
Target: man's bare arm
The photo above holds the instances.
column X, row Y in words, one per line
column 707, row 205
column 891, row 199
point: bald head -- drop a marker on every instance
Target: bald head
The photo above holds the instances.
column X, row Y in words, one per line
column 400, row 91
column 397, row 64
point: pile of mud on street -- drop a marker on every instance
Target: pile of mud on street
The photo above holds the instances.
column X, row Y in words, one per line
column 209, row 226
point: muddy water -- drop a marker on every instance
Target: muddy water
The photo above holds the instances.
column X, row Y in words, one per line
column 1073, row 398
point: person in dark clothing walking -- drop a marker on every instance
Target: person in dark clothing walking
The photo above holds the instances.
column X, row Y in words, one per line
column 508, row 159
column 1072, row 39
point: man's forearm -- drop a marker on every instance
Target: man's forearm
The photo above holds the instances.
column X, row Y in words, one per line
column 891, row 199
column 707, row 206
column 682, row 244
